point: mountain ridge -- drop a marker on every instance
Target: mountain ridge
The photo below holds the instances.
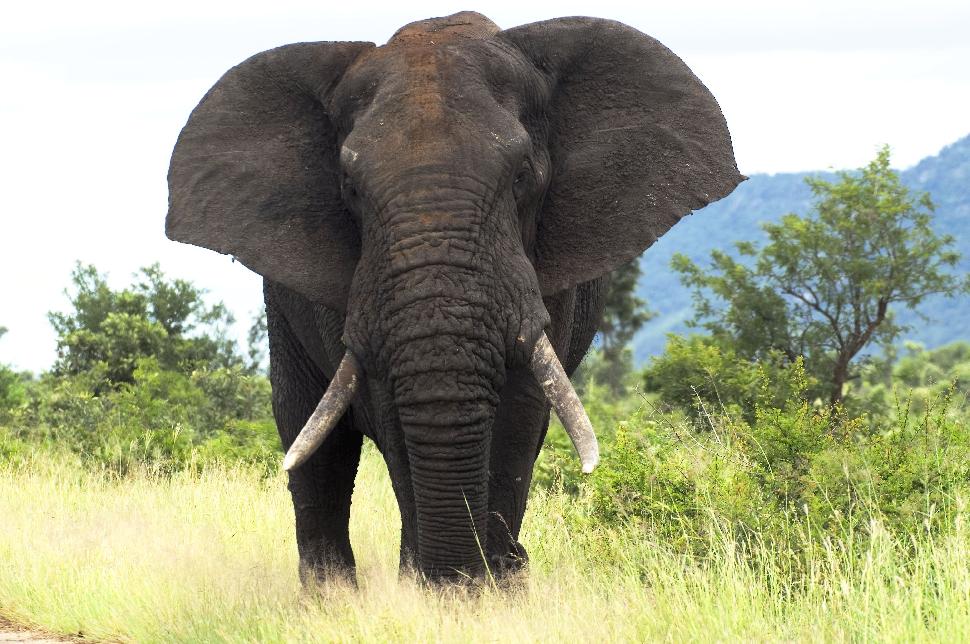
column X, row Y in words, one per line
column 767, row 197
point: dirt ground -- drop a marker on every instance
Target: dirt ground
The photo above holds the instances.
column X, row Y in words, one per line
column 10, row 632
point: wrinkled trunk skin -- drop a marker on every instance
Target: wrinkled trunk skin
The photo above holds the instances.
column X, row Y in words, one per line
column 445, row 365
column 437, row 328
column 448, row 446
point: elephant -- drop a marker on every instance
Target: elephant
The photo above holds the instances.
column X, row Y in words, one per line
column 435, row 221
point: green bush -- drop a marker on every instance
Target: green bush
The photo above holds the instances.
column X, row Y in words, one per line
column 909, row 474
column 146, row 376
column 254, row 442
column 108, row 332
column 920, row 376
column 687, row 477
column 791, row 474
column 166, row 420
column 13, row 392
column 701, row 377
column 13, row 449
column 558, row 465
column 678, row 490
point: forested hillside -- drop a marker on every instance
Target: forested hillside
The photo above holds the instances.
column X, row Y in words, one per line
column 766, row 198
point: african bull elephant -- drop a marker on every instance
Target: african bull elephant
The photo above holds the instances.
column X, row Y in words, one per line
column 435, row 220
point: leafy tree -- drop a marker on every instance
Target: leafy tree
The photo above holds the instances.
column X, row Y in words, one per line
column 147, row 375
column 823, row 287
column 12, row 392
column 623, row 316
column 108, row 331
column 625, row 313
column 257, row 343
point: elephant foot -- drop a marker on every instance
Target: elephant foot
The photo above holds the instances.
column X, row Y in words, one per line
column 505, row 564
column 314, row 575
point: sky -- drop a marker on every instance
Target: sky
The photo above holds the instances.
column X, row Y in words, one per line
column 95, row 93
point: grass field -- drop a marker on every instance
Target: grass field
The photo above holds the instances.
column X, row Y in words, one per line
column 211, row 557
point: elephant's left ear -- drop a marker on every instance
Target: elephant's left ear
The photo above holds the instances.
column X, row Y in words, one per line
column 636, row 142
column 255, row 171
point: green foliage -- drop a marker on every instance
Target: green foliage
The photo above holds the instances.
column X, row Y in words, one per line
column 163, row 419
column 909, row 474
column 770, row 468
column 145, row 377
column 257, row 342
column 557, row 466
column 683, row 480
column 12, row 391
column 917, row 377
column 13, row 449
column 255, row 442
column 12, row 388
column 669, row 488
column 597, row 370
column 107, row 331
column 823, row 287
column 624, row 312
column 703, row 377
column 611, row 363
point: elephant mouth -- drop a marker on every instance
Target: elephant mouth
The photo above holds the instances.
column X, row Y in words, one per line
column 544, row 364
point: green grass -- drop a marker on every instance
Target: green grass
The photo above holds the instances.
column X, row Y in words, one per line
column 211, row 556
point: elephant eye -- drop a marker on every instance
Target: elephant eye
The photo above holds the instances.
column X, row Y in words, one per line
column 522, row 181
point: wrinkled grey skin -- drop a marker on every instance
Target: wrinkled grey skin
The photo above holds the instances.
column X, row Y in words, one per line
column 434, row 205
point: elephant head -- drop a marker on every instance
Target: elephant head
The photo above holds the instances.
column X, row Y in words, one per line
column 434, row 190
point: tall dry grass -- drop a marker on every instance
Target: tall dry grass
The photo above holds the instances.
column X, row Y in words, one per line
column 211, row 557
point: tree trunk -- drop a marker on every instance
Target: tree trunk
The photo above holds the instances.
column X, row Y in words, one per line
column 840, row 375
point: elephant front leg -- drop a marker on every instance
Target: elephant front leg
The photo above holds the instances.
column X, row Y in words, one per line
column 321, row 488
column 521, row 421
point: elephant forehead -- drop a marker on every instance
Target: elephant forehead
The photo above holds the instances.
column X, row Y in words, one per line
column 426, row 100
column 466, row 24
column 391, row 80
column 425, row 76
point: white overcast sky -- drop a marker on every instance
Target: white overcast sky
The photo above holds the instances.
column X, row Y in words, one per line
column 94, row 93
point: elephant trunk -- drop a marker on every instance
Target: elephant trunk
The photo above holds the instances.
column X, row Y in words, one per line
column 446, row 366
column 443, row 317
column 447, row 418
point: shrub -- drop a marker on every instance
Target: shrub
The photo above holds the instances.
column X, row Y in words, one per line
column 13, row 393
column 678, row 490
column 253, row 442
column 164, row 419
column 908, row 474
column 699, row 376
column 920, row 376
column 13, row 449
column 794, row 477
column 558, row 466
column 108, row 332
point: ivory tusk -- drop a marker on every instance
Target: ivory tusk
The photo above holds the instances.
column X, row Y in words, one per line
column 332, row 406
column 555, row 383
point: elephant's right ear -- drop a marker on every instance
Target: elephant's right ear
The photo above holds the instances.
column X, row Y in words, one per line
column 255, row 171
